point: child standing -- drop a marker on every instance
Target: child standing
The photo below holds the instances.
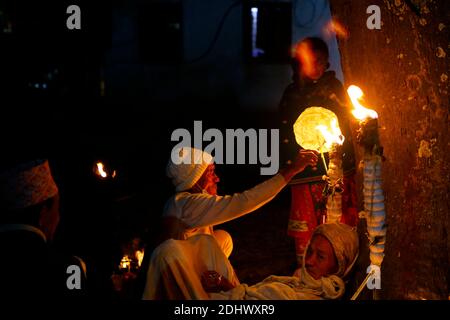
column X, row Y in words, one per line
column 314, row 86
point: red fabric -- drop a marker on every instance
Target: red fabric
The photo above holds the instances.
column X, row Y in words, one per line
column 308, row 210
column 350, row 201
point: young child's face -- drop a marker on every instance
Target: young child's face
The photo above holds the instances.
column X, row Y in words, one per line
column 313, row 64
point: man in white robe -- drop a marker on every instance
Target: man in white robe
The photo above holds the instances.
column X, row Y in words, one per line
column 178, row 266
column 196, row 208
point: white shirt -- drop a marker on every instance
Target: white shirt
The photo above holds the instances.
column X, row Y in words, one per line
column 202, row 211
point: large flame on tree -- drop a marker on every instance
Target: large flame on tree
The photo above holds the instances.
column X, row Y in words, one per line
column 318, row 129
column 360, row 112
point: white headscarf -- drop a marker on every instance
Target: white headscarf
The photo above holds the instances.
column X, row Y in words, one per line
column 186, row 166
column 345, row 243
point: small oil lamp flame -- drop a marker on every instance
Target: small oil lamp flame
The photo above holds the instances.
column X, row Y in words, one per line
column 101, row 170
column 139, row 256
column 125, row 263
column 360, row 112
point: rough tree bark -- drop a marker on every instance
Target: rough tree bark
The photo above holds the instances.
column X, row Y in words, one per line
column 403, row 70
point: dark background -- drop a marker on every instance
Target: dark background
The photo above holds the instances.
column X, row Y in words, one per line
column 67, row 95
column 116, row 89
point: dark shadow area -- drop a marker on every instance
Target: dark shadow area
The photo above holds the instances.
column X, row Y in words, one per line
column 59, row 102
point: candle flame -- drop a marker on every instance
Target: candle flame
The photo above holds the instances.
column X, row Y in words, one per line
column 101, row 170
column 360, row 112
column 139, row 256
column 335, row 136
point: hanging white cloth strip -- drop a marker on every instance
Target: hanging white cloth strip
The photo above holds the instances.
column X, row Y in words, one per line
column 374, row 207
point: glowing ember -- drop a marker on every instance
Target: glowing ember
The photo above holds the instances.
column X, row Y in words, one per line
column 139, row 256
column 360, row 112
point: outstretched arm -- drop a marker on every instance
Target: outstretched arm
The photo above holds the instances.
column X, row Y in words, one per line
column 304, row 158
column 200, row 210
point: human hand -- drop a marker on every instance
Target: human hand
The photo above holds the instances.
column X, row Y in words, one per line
column 212, row 281
column 303, row 159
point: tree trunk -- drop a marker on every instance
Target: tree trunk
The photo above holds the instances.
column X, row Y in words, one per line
column 403, row 70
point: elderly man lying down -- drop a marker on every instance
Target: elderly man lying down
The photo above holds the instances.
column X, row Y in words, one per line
column 197, row 268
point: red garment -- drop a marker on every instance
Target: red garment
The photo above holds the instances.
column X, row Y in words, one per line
column 350, row 201
column 308, row 210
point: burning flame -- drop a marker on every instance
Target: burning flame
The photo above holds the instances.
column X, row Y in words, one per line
column 360, row 112
column 335, row 136
column 139, row 256
column 336, row 27
column 306, row 56
column 312, row 63
column 101, row 170
column 306, row 132
column 125, row 263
